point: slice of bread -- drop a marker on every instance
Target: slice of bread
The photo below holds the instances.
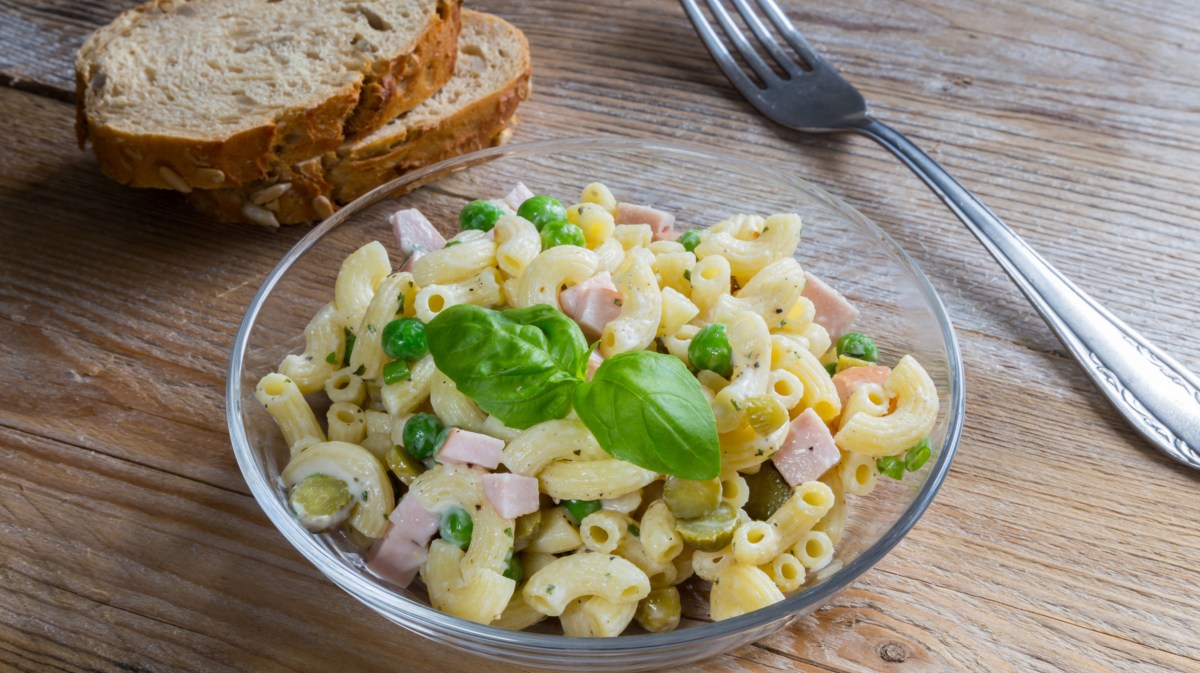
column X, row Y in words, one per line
column 472, row 111
column 183, row 94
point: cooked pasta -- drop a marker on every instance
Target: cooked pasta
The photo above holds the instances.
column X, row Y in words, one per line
column 511, row 513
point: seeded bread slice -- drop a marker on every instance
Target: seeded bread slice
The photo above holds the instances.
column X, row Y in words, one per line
column 475, row 109
column 183, row 94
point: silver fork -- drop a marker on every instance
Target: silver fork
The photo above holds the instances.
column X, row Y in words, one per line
column 1158, row 396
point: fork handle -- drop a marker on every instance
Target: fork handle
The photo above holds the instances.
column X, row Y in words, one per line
column 1154, row 392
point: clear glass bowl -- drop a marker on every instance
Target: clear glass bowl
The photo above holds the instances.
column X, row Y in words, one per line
column 896, row 302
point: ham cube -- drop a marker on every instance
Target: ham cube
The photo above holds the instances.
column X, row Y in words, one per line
column 511, row 495
column 850, row 379
column 661, row 223
column 593, row 303
column 396, row 558
column 517, row 196
column 471, row 448
column 411, row 520
column 808, row 450
column 415, row 235
column 595, row 359
column 833, row 312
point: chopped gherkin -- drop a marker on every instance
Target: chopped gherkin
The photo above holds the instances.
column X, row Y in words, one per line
column 767, row 492
column 404, row 466
column 320, row 501
column 711, row 532
column 527, row 526
column 765, row 414
column 688, row 498
column 845, row 362
column 659, row 610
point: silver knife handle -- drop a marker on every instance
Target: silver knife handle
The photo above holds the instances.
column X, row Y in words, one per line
column 1154, row 392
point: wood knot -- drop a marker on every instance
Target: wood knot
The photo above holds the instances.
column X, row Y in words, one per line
column 893, row 652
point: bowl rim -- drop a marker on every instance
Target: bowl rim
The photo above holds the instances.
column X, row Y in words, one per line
column 422, row 616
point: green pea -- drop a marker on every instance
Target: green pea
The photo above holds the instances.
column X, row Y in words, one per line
column 578, row 509
column 891, row 466
column 481, row 215
column 395, row 372
column 831, row 367
column 858, row 345
column 421, row 436
column 456, row 527
column 542, row 210
column 562, row 233
column 690, row 239
column 404, row 339
column 710, row 350
column 916, row 456
column 513, row 568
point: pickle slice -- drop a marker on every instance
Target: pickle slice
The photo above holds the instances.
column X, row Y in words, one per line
column 845, row 362
column 688, row 499
column 405, row 467
column 711, row 532
column 765, row 414
column 527, row 526
column 321, row 502
column 659, row 610
column 768, row 492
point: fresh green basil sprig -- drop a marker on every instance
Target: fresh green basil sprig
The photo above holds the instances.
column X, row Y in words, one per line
column 648, row 409
column 528, row 365
column 519, row 366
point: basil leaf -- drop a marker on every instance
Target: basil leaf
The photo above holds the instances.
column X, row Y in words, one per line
column 564, row 339
column 517, row 372
column 648, row 409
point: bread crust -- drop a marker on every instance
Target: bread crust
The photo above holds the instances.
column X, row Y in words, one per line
column 336, row 178
column 400, row 82
column 396, row 86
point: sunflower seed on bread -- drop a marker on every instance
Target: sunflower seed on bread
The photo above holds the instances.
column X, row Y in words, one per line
column 474, row 110
column 201, row 94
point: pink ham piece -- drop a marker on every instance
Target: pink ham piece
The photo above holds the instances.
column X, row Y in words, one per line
column 511, row 495
column 595, row 359
column 517, row 196
column 850, row 379
column 661, row 223
column 593, row 303
column 471, row 448
column 808, row 450
column 413, row 521
column 415, row 235
column 833, row 312
column 396, row 558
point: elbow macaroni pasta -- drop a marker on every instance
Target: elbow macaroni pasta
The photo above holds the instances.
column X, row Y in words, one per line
column 592, row 573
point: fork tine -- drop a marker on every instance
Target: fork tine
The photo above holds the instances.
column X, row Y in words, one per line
column 793, row 37
column 767, row 40
column 719, row 53
column 738, row 38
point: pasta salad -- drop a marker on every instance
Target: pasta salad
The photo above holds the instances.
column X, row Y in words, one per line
column 583, row 408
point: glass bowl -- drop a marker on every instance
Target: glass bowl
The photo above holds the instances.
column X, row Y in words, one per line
column 896, row 302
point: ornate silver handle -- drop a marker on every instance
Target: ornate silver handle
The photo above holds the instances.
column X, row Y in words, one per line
column 1154, row 392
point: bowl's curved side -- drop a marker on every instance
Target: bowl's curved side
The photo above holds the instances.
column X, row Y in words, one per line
column 626, row 652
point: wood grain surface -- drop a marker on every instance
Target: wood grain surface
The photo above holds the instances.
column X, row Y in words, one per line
column 1060, row 542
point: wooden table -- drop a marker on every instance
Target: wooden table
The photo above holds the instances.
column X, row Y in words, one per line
column 1060, row 541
